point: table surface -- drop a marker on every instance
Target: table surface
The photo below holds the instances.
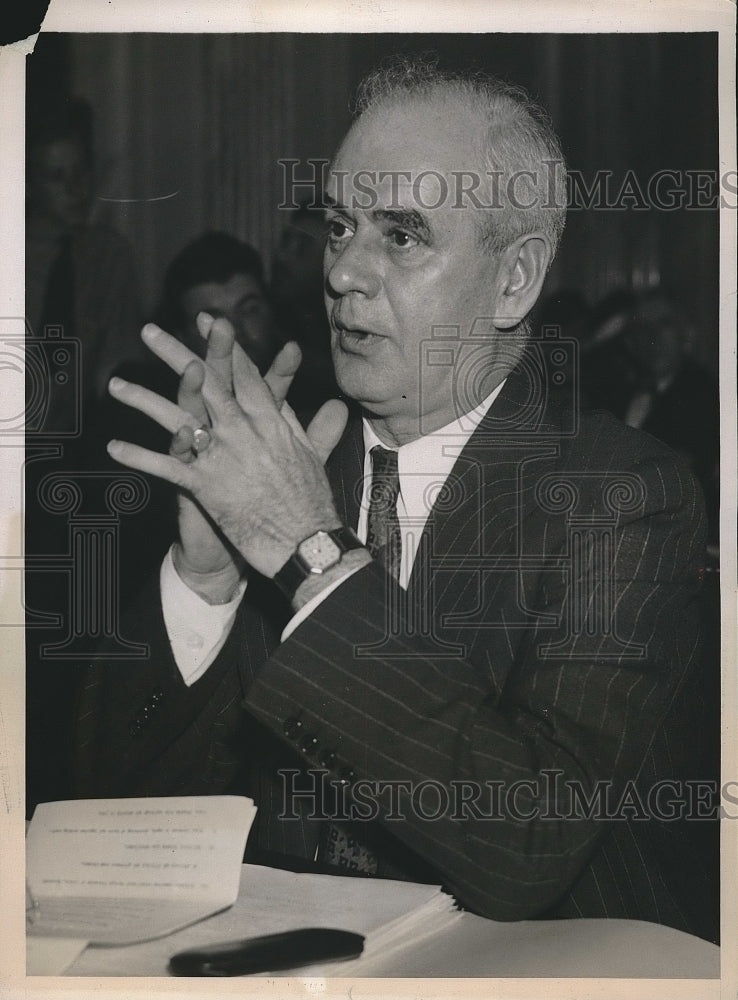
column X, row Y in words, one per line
column 471, row 947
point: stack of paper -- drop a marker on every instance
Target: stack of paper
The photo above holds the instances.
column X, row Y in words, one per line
column 390, row 914
column 387, row 940
column 132, row 871
column 115, row 871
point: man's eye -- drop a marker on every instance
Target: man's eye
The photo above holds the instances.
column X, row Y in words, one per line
column 338, row 230
column 402, row 239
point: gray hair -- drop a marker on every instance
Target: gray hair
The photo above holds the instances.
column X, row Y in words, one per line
column 518, row 141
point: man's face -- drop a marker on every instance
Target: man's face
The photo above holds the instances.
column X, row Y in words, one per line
column 399, row 267
column 60, row 183
column 242, row 301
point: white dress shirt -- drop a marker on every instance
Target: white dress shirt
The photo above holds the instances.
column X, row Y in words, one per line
column 197, row 630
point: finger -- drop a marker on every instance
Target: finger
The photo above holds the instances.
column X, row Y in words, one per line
column 219, row 355
column 203, row 322
column 288, row 415
column 252, row 392
column 283, row 370
column 327, row 426
column 225, row 346
column 163, row 411
column 181, row 445
column 162, row 466
column 189, row 393
column 174, row 353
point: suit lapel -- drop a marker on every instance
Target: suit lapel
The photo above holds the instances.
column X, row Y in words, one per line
column 480, row 510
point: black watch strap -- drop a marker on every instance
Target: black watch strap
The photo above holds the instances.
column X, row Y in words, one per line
column 296, row 570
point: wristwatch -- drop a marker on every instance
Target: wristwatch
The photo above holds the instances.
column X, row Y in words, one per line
column 314, row 555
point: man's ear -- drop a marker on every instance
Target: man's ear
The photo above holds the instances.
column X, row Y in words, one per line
column 523, row 268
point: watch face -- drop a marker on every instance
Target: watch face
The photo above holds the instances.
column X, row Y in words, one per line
column 319, row 552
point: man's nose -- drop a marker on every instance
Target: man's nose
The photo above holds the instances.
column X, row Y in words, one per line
column 355, row 270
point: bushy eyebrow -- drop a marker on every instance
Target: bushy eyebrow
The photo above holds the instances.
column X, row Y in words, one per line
column 404, row 218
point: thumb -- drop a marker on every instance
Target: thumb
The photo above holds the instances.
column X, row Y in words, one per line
column 327, row 426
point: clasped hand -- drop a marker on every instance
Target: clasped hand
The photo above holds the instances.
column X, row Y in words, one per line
column 261, row 477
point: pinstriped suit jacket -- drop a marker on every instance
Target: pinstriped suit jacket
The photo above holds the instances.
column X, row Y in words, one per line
column 549, row 638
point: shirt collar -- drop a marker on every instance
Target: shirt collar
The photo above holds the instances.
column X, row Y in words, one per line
column 425, row 464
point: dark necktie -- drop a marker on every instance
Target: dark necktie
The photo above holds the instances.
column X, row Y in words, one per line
column 344, row 845
column 383, row 537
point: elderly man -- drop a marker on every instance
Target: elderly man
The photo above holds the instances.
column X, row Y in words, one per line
column 485, row 655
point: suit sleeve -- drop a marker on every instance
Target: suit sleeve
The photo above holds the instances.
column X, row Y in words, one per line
column 490, row 754
column 140, row 730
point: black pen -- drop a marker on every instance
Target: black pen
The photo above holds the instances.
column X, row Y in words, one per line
column 269, row 953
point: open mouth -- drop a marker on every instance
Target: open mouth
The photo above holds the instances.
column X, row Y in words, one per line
column 354, row 338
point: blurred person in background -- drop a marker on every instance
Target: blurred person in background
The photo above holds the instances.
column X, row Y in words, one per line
column 640, row 367
column 79, row 273
column 223, row 276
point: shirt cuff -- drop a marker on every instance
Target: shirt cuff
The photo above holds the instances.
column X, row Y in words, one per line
column 197, row 630
column 312, row 604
